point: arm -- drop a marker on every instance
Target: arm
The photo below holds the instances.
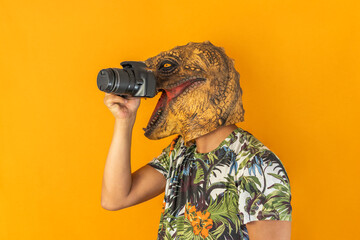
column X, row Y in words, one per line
column 269, row 230
column 120, row 187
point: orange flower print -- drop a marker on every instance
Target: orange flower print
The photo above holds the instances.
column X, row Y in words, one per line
column 190, row 212
column 202, row 223
column 172, row 145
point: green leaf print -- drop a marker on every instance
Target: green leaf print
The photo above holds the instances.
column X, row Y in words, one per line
column 168, row 236
column 254, row 202
column 248, row 183
column 212, row 158
column 199, row 175
column 278, row 177
column 280, row 200
column 280, row 187
column 222, row 210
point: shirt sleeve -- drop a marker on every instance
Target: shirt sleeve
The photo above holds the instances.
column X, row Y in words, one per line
column 161, row 163
column 264, row 189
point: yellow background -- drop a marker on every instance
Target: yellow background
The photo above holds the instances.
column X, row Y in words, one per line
column 299, row 67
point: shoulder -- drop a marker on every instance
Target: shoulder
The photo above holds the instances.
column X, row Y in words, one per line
column 243, row 143
column 250, row 152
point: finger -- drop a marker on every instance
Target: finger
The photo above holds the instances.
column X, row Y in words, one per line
column 133, row 98
column 110, row 100
column 120, row 100
column 114, row 96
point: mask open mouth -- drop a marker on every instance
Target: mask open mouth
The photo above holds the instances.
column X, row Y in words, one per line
column 168, row 96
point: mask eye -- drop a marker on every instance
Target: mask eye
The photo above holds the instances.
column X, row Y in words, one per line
column 167, row 66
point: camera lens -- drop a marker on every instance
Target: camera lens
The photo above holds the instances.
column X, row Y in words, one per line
column 132, row 80
column 106, row 80
column 115, row 80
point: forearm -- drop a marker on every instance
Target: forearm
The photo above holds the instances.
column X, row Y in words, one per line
column 117, row 177
column 269, row 230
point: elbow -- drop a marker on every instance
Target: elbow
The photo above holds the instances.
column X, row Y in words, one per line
column 110, row 206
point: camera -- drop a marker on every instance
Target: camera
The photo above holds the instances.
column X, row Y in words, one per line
column 132, row 80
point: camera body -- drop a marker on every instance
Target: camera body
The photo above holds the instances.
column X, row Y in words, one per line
column 132, row 80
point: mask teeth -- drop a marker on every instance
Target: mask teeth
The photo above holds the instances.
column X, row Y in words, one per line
column 157, row 118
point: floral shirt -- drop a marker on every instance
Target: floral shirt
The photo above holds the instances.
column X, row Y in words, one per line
column 213, row 195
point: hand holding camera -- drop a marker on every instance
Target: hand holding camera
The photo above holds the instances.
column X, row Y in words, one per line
column 122, row 108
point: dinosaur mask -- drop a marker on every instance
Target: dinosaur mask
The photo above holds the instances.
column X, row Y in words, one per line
column 200, row 92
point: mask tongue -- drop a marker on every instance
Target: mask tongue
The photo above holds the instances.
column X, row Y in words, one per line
column 174, row 92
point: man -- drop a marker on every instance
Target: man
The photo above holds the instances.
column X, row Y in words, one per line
column 220, row 182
